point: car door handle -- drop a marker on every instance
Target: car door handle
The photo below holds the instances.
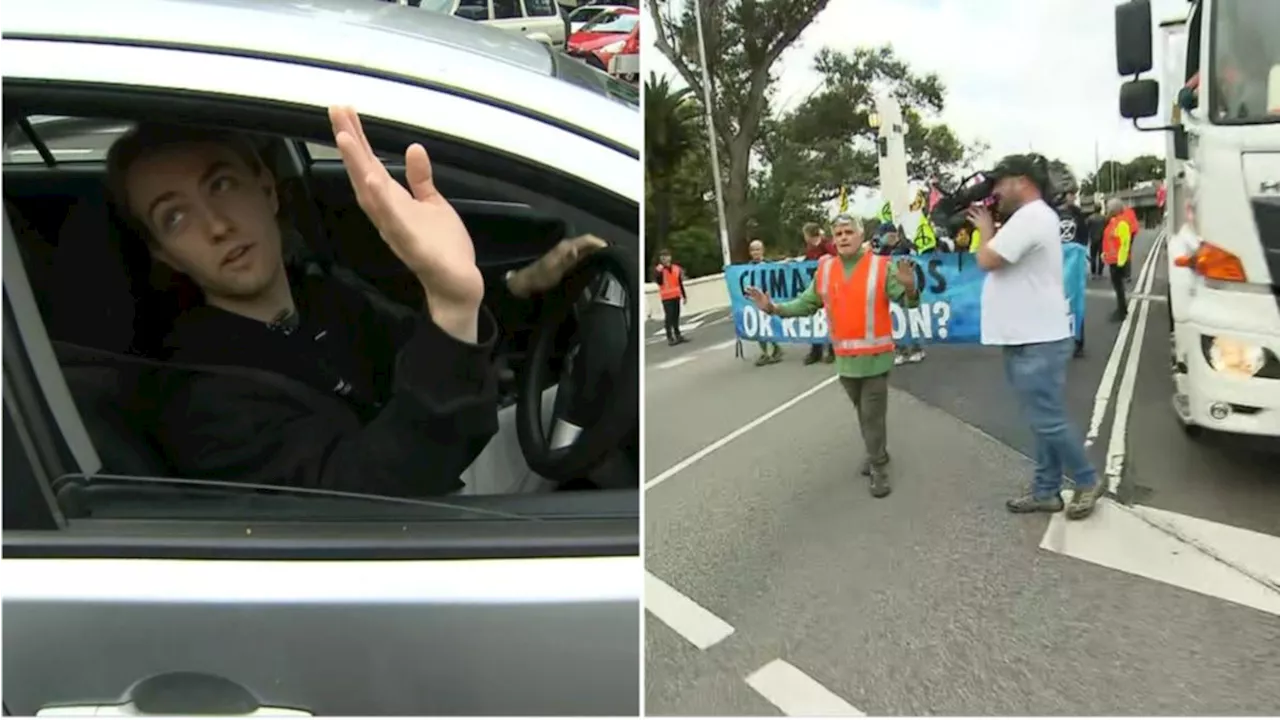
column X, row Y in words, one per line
column 179, row 693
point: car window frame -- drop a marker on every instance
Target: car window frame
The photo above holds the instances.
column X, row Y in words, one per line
column 420, row 540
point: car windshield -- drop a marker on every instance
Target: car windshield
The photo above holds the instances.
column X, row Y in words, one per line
column 612, row 22
column 579, row 73
column 1246, row 61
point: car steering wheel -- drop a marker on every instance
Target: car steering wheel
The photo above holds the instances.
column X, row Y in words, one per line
column 597, row 398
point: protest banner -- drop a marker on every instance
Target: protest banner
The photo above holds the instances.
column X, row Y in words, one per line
column 950, row 301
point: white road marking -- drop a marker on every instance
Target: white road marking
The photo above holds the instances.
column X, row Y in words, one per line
column 797, row 694
column 1116, row 446
column 677, row 361
column 685, row 463
column 1099, row 292
column 687, row 618
column 1189, row 553
column 1106, row 385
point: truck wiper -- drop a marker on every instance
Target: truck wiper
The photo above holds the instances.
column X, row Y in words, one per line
column 240, row 490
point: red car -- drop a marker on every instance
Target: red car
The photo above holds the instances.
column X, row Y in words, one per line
column 605, row 30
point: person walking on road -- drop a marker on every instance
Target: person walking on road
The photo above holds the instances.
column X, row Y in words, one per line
column 1097, row 223
column 1024, row 311
column 889, row 242
column 770, row 352
column 1073, row 227
column 856, row 287
column 669, row 278
column 1117, row 240
column 817, row 247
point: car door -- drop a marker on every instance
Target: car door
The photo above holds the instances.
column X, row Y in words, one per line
column 149, row 595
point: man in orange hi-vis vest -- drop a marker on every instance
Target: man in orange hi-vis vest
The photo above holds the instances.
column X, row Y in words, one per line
column 856, row 286
column 669, row 278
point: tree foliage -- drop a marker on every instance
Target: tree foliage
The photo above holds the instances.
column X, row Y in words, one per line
column 827, row 142
column 1115, row 175
column 743, row 40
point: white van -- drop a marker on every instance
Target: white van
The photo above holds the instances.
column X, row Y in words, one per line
column 541, row 20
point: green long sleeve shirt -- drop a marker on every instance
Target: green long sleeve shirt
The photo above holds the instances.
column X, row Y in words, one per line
column 852, row 366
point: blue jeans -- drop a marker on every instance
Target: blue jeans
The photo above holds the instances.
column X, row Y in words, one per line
column 1038, row 374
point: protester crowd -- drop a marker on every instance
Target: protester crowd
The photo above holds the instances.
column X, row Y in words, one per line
column 1015, row 239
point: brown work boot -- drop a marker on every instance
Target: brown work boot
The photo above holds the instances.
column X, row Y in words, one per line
column 1084, row 500
column 866, row 465
column 1030, row 504
column 880, row 485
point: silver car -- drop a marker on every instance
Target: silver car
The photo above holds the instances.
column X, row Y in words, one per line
column 127, row 590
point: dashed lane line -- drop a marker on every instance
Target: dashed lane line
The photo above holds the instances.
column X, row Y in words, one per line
column 796, row 694
column 687, row 618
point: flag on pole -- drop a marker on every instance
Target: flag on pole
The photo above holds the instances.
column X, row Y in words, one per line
column 844, row 199
column 886, row 213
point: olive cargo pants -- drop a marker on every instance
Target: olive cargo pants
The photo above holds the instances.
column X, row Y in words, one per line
column 870, row 396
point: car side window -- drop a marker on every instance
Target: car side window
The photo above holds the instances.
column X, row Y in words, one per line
column 506, row 9
column 540, row 8
column 473, row 10
column 68, row 139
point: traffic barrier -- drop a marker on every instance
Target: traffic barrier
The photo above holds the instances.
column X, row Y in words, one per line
column 708, row 292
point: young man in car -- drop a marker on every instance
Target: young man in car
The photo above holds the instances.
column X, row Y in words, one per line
column 358, row 399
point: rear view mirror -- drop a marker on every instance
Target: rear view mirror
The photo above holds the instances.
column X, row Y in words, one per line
column 1133, row 37
column 1181, row 150
column 1139, row 99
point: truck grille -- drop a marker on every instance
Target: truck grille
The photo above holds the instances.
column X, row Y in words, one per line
column 1266, row 213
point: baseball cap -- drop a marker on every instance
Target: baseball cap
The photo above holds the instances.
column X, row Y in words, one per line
column 1031, row 166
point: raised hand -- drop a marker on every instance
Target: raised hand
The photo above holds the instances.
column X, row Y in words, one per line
column 547, row 271
column 905, row 270
column 418, row 224
column 759, row 299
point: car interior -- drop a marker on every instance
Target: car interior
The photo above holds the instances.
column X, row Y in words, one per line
column 106, row 305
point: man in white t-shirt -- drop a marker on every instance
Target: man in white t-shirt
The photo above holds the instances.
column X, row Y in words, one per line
column 1025, row 312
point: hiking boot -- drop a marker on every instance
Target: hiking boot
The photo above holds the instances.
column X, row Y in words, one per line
column 829, row 358
column 1030, row 504
column 866, row 465
column 1119, row 316
column 880, row 485
column 763, row 360
column 812, row 358
column 1083, row 501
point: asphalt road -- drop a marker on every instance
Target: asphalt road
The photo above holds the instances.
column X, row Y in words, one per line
column 779, row 586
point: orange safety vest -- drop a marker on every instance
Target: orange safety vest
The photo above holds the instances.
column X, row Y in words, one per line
column 669, row 289
column 1111, row 240
column 857, row 305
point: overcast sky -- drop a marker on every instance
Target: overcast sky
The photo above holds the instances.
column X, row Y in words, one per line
column 1019, row 74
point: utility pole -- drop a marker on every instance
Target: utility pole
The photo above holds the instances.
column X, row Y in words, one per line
column 711, row 135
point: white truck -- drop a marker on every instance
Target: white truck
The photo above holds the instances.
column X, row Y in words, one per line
column 1221, row 82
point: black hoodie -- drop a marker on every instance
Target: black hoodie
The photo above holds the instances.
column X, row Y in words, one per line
column 354, row 398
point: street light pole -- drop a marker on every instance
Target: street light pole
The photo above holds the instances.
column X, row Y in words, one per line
column 711, row 135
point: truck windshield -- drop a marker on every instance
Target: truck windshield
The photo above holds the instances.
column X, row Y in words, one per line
column 1246, row 54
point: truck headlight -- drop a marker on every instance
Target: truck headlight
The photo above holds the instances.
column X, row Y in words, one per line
column 1235, row 357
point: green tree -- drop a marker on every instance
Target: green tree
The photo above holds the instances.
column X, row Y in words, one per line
column 744, row 40
column 827, row 141
column 670, row 133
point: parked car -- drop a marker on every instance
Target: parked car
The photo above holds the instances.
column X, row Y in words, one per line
column 586, row 13
column 129, row 589
column 607, row 28
column 541, row 20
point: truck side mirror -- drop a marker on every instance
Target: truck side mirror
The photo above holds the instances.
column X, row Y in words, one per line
column 1133, row 38
column 1139, row 99
column 1181, row 150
